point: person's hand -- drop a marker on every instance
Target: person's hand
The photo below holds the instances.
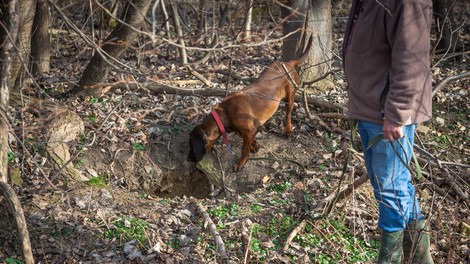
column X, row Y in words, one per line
column 391, row 131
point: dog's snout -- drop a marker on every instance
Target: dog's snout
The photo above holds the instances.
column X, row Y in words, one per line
column 192, row 157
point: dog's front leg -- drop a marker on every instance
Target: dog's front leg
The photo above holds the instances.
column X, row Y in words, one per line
column 248, row 140
column 289, row 108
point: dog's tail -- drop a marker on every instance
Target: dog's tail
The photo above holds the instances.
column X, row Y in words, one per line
column 307, row 50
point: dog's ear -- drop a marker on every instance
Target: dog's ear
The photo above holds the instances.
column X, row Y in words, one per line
column 197, row 144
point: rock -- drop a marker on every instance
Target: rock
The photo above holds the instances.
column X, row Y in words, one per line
column 131, row 251
column 211, row 165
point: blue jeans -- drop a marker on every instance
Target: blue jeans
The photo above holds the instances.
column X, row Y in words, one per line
column 389, row 177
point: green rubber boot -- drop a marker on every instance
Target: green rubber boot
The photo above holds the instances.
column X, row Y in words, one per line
column 391, row 247
column 416, row 243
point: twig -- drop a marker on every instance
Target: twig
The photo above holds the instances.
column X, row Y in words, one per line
column 442, row 83
column 199, row 76
column 247, row 240
column 307, row 83
column 454, row 186
column 434, row 188
column 213, row 229
column 294, row 233
column 7, row 121
column 448, row 178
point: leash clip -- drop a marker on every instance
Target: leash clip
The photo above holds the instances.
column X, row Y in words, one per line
column 222, row 130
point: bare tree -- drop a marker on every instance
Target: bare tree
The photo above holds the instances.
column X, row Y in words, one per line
column 294, row 16
column 40, row 42
column 115, row 44
column 447, row 34
column 9, row 29
column 26, row 15
column 320, row 25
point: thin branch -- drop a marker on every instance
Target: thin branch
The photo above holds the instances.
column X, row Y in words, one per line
column 294, row 233
column 443, row 83
column 213, row 229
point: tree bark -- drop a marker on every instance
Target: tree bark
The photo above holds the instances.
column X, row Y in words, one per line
column 293, row 13
column 26, row 12
column 179, row 34
column 444, row 17
column 249, row 17
column 40, row 42
column 320, row 25
column 115, row 44
column 9, row 33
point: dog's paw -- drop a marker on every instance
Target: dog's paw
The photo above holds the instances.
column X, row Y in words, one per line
column 237, row 167
column 255, row 147
column 288, row 134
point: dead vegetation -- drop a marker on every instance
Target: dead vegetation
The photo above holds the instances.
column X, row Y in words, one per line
column 140, row 201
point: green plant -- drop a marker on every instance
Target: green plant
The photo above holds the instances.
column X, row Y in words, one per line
column 79, row 163
column 279, row 201
column 11, row 157
column 443, row 139
column 12, row 261
column 92, row 118
column 223, row 213
column 128, row 228
column 99, row 181
column 256, row 208
column 279, row 187
column 166, row 201
column 175, row 243
column 143, row 195
column 62, row 232
column 338, row 233
column 94, row 100
column 138, row 146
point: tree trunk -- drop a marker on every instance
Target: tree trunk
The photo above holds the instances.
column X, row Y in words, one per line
column 27, row 9
column 444, row 18
column 179, row 34
column 9, row 32
column 320, row 25
column 293, row 14
column 7, row 39
column 115, row 44
column 249, row 17
column 40, row 42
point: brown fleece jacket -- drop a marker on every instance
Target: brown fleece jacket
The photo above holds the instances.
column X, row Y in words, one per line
column 387, row 44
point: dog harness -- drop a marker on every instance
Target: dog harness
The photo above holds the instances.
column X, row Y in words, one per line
column 222, row 130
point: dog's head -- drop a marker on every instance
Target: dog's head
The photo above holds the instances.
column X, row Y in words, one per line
column 197, row 144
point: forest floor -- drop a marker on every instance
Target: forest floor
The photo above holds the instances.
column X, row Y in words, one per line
column 142, row 202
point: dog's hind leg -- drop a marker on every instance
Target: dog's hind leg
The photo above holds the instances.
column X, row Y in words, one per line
column 289, row 107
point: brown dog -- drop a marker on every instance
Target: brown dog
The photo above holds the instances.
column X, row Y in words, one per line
column 248, row 109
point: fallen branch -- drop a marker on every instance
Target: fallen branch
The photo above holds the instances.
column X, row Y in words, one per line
column 314, row 117
column 213, row 229
column 448, row 179
column 159, row 88
column 454, row 186
column 294, row 233
column 199, row 76
column 443, row 83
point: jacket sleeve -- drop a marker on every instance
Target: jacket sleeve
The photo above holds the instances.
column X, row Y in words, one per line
column 408, row 27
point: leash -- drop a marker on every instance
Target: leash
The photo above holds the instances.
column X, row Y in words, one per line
column 222, row 130
column 261, row 95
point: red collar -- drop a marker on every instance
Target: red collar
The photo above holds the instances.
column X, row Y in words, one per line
column 221, row 126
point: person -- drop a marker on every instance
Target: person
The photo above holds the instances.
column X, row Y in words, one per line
column 387, row 67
